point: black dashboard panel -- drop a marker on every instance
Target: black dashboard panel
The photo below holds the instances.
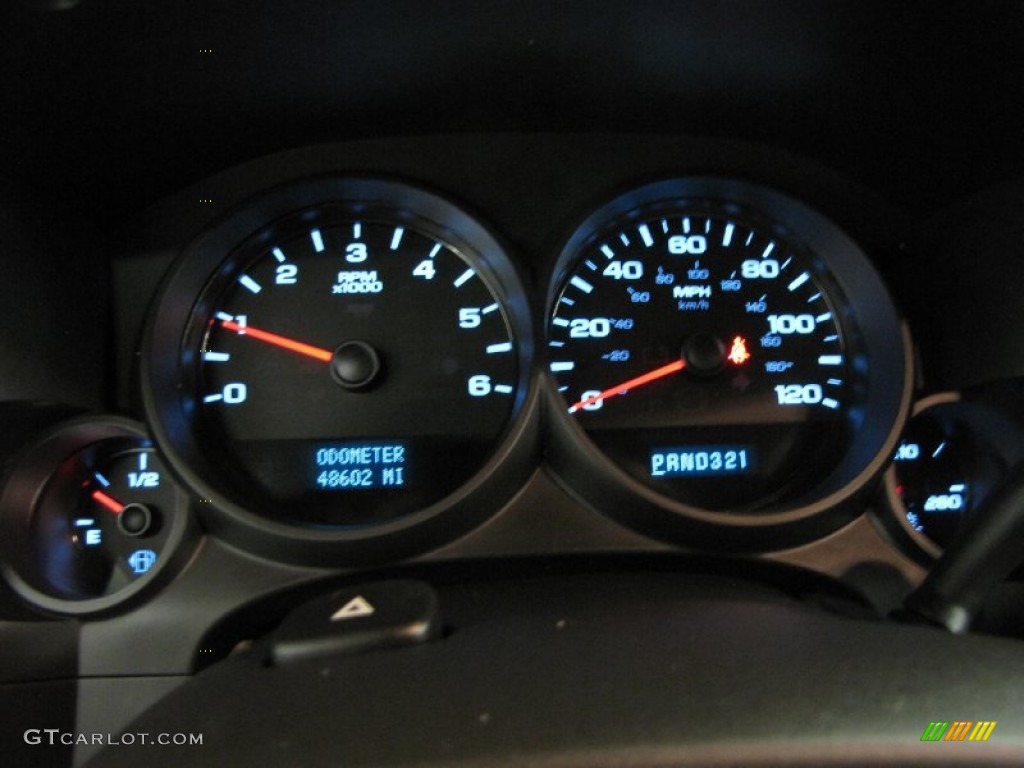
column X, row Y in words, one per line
column 570, row 632
column 547, row 183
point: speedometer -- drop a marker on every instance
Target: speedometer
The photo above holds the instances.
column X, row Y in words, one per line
column 726, row 352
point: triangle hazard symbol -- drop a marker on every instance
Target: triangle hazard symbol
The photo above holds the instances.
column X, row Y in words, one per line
column 353, row 609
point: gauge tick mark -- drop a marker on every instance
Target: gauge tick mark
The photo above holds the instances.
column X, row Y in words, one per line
column 318, row 240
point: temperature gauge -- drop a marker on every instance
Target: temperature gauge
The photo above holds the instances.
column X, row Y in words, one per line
column 90, row 518
column 952, row 454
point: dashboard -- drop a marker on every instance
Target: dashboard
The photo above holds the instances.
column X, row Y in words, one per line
column 393, row 384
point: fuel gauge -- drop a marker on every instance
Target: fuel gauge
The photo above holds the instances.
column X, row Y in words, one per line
column 90, row 517
column 117, row 527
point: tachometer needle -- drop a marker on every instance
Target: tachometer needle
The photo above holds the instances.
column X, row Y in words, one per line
column 109, row 502
column 280, row 341
column 621, row 389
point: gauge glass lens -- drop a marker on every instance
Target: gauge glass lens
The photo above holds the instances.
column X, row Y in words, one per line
column 934, row 465
column 101, row 522
column 951, row 457
column 349, row 367
column 701, row 349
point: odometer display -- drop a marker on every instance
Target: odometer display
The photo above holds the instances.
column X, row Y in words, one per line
column 709, row 351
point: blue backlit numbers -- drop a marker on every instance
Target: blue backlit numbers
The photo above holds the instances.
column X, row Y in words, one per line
column 360, row 465
column 346, row 478
column 908, row 452
column 235, row 393
column 624, row 270
column 764, row 269
column 697, row 272
column 356, row 253
column 286, row 274
column 799, row 394
column 143, row 479
column 425, row 270
column 589, row 328
column 479, row 385
column 785, row 325
column 469, row 317
column 953, row 501
column 680, row 244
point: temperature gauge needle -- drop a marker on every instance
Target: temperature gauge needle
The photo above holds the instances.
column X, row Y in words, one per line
column 109, row 502
column 621, row 389
column 284, row 342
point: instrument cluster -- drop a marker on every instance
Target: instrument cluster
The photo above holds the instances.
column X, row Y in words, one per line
column 347, row 364
column 345, row 356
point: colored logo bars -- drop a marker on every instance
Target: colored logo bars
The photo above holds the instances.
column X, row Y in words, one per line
column 958, row 730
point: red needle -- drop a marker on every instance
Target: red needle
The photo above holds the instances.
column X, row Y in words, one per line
column 280, row 341
column 112, row 504
column 620, row 389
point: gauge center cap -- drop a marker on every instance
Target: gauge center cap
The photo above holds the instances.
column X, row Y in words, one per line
column 704, row 353
column 356, row 365
column 135, row 519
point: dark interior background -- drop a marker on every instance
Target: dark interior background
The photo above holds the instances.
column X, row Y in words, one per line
column 110, row 104
column 109, row 107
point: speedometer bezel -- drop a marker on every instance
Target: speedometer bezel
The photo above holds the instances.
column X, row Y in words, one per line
column 590, row 475
column 164, row 369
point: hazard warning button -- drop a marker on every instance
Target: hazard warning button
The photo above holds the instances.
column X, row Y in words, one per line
column 368, row 617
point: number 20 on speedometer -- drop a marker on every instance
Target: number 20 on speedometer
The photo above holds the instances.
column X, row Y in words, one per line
column 709, row 338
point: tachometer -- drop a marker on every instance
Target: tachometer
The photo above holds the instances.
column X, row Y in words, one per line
column 357, row 360
column 726, row 352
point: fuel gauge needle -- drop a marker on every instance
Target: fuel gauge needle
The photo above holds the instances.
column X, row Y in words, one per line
column 621, row 389
column 108, row 501
column 284, row 342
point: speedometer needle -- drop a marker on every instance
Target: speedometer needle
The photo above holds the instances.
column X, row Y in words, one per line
column 621, row 389
column 280, row 341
